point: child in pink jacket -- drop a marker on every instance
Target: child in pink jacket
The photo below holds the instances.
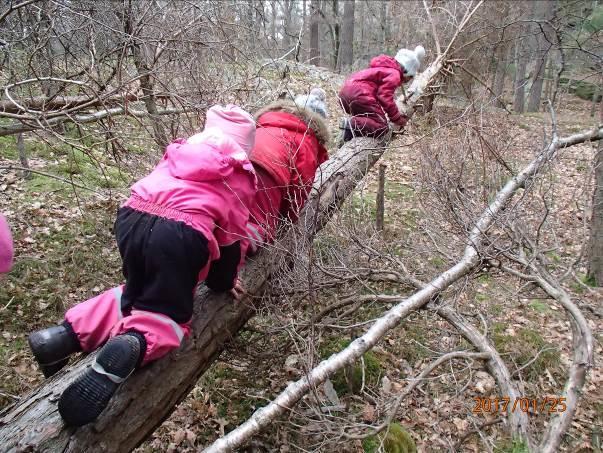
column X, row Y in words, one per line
column 182, row 224
column 6, row 246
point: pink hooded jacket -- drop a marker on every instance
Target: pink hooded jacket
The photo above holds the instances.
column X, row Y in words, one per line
column 6, row 246
column 205, row 181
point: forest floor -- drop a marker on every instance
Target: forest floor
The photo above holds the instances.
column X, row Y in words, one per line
column 65, row 253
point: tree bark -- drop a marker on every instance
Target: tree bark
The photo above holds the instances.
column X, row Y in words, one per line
column 543, row 11
column 314, row 33
column 595, row 257
column 521, row 60
column 144, row 71
column 23, row 155
column 381, row 198
column 347, row 36
column 500, row 75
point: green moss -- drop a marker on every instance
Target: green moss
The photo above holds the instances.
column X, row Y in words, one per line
column 539, row 306
column 511, row 446
column 496, row 309
column 349, row 380
column 8, row 148
column 79, row 254
column 525, row 127
column 398, row 191
column 581, row 88
column 437, row 261
column 394, row 439
column 481, row 297
column 553, row 257
column 523, row 347
column 589, row 280
column 484, row 278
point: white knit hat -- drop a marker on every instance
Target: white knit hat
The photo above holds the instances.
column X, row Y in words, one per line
column 410, row 60
column 314, row 101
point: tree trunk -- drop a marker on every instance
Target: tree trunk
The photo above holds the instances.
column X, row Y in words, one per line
column 384, row 28
column 595, row 262
column 543, row 11
column 536, row 88
column 149, row 396
column 23, row 155
column 314, row 33
column 273, row 24
column 287, row 24
column 334, row 31
column 381, row 198
column 597, row 93
column 146, row 82
column 500, row 75
column 347, row 36
column 521, row 60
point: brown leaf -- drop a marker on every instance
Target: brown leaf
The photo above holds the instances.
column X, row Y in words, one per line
column 368, row 414
column 179, row 436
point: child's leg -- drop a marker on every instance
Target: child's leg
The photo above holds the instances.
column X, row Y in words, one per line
column 93, row 320
column 368, row 118
column 172, row 255
column 86, row 327
column 162, row 334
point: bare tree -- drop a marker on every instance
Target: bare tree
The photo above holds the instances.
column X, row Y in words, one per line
column 347, row 35
column 314, row 32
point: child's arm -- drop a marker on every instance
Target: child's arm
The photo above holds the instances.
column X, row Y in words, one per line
column 223, row 271
column 385, row 94
column 230, row 235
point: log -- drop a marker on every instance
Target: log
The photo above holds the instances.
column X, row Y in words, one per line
column 45, row 104
column 150, row 395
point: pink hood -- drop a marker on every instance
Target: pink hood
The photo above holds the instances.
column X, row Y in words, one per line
column 385, row 61
column 6, row 246
column 233, row 121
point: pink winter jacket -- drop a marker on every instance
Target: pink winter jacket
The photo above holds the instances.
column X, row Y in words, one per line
column 6, row 246
column 206, row 184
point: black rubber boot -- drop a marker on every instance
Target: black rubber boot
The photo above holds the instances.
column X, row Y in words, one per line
column 84, row 400
column 52, row 347
column 346, row 131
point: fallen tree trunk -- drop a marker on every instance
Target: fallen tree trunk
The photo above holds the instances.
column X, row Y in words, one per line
column 49, row 105
column 150, row 395
column 33, row 124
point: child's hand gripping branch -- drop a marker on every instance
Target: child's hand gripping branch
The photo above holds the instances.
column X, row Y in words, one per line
column 368, row 95
column 182, row 224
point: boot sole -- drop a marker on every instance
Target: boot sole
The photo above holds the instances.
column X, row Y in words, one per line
column 84, row 400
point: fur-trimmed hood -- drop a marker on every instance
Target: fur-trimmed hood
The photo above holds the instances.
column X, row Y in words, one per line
column 313, row 120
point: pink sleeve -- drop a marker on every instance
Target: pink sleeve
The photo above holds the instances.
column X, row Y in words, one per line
column 241, row 193
column 6, row 246
column 385, row 93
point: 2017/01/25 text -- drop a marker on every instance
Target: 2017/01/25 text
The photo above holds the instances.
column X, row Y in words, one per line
column 532, row 406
